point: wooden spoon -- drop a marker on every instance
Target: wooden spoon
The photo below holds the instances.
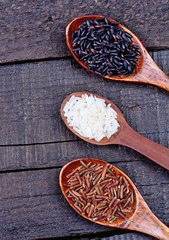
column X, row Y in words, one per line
column 146, row 72
column 125, row 136
column 142, row 219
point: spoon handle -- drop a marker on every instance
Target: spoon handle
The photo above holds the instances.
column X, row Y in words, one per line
column 151, row 73
column 156, row 152
column 145, row 221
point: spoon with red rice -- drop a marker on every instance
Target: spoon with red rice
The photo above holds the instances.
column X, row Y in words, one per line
column 105, row 195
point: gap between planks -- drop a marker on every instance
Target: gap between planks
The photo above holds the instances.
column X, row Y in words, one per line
column 94, row 236
column 119, row 235
column 150, row 50
column 42, row 143
column 58, row 167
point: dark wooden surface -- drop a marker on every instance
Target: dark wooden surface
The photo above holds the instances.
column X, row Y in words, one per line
column 34, row 142
column 35, row 30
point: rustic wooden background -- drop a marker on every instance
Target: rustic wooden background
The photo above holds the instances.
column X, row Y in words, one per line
column 37, row 73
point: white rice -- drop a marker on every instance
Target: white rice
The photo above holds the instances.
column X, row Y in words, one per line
column 90, row 117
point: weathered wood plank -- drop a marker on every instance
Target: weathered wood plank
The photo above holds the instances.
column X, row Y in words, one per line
column 58, row 154
column 32, row 206
column 127, row 236
column 31, row 95
column 34, row 30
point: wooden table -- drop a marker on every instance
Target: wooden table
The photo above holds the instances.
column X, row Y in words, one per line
column 37, row 73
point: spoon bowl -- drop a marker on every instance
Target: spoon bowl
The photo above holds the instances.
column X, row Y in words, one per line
column 125, row 135
column 103, row 141
column 146, row 70
column 141, row 219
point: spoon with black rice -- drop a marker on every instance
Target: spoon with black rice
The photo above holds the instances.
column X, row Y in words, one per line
column 105, row 47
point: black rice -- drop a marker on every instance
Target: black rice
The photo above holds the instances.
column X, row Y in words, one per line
column 105, row 48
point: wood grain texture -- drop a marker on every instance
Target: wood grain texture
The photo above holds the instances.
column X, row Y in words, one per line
column 32, row 206
column 57, row 154
column 36, row 30
column 31, row 95
column 127, row 236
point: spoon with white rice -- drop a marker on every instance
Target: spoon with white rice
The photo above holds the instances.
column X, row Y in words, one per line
column 97, row 120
